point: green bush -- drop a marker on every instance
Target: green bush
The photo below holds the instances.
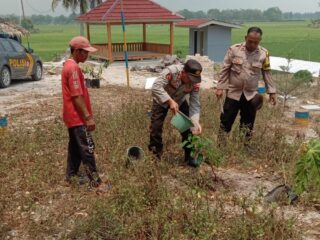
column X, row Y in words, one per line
column 303, row 76
column 307, row 176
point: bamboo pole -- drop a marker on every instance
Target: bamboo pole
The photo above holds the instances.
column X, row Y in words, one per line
column 171, row 38
column 88, row 32
column 125, row 44
column 109, row 42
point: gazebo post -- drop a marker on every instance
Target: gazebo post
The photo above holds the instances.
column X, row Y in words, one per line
column 88, row 32
column 109, row 42
column 171, row 37
column 142, row 12
column 144, row 36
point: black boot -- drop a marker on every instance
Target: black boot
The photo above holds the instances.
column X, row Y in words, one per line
column 192, row 162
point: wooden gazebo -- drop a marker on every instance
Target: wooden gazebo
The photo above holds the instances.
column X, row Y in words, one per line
column 136, row 12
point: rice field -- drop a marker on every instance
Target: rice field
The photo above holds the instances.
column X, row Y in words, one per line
column 280, row 38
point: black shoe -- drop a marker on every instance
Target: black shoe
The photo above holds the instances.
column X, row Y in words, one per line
column 94, row 179
column 77, row 179
column 192, row 162
column 71, row 179
column 83, row 179
column 250, row 150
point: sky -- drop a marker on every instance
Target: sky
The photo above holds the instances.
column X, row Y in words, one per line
column 44, row 6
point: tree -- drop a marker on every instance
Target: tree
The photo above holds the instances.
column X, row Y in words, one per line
column 200, row 14
column 73, row 5
column 303, row 76
column 186, row 13
column 27, row 24
column 213, row 13
column 288, row 84
column 94, row 3
column 273, row 14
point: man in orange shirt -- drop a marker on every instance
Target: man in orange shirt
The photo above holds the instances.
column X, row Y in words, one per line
column 77, row 114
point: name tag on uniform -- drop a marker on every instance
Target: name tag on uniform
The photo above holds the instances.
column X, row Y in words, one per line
column 149, row 83
column 237, row 61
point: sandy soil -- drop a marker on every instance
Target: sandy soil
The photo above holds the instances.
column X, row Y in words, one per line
column 27, row 92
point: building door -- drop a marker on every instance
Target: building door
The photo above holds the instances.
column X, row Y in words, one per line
column 201, row 43
column 195, row 37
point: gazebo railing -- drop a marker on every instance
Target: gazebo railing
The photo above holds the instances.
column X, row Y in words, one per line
column 159, row 48
column 132, row 47
column 102, row 50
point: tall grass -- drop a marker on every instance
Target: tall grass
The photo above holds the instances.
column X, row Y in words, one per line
column 148, row 199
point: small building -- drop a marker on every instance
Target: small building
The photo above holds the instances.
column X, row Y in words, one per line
column 208, row 37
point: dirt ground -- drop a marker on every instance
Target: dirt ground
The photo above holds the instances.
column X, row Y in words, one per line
column 27, row 102
column 27, row 92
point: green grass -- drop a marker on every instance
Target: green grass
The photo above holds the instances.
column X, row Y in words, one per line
column 284, row 37
column 148, row 199
column 54, row 39
column 279, row 38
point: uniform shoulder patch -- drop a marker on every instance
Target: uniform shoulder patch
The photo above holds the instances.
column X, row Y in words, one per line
column 266, row 63
column 169, row 76
column 235, row 46
column 196, row 87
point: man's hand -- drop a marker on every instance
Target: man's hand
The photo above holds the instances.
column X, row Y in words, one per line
column 218, row 92
column 82, row 110
column 273, row 98
column 90, row 124
column 197, row 129
column 173, row 106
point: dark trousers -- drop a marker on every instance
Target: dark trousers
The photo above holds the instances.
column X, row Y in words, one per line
column 158, row 116
column 248, row 110
column 80, row 149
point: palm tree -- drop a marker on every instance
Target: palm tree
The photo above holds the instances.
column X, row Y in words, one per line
column 74, row 5
column 94, row 3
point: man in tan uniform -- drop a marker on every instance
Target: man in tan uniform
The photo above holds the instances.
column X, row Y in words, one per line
column 242, row 69
column 169, row 91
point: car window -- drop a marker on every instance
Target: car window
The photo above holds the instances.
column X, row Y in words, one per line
column 17, row 46
column 6, row 45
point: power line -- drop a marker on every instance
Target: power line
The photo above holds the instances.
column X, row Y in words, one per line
column 36, row 10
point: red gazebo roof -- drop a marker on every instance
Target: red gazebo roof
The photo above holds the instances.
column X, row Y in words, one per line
column 135, row 11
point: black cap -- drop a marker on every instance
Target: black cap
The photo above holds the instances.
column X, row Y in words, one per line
column 193, row 68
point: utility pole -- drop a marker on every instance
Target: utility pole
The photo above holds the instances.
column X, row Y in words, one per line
column 24, row 17
column 20, row 13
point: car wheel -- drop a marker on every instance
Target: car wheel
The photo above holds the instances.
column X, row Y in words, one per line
column 38, row 74
column 5, row 77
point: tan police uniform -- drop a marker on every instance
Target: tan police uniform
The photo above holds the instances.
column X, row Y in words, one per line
column 240, row 77
column 170, row 86
column 242, row 71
